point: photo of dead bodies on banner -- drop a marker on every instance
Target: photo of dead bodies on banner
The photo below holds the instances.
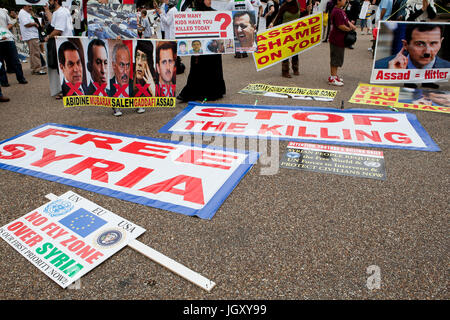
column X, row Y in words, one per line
column 117, row 73
column 412, row 52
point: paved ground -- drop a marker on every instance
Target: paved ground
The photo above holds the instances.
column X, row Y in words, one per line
column 291, row 235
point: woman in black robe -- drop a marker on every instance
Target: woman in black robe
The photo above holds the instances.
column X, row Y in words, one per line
column 205, row 80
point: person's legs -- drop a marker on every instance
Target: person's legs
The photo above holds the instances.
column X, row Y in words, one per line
column 3, row 76
column 295, row 65
column 35, row 55
column 12, row 59
column 2, row 97
column 285, row 69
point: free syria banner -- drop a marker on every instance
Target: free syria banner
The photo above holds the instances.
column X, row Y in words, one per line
column 183, row 178
column 356, row 127
column 68, row 237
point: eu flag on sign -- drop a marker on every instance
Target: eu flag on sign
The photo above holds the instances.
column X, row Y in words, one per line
column 82, row 222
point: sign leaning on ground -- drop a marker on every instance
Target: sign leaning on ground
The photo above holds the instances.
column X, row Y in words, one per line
column 267, row 90
column 334, row 159
column 355, row 127
column 183, row 178
column 406, row 98
column 66, row 240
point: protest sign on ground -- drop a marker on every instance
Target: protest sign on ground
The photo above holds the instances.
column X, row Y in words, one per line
column 288, row 39
column 407, row 98
column 357, row 127
column 183, row 178
column 411, row 52
column 289, row 92
column 334, row 159
column 68, row 237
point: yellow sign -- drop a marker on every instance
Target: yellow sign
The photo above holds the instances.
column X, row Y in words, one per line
column 289, row 92
column 286, row 40
column 395, row 97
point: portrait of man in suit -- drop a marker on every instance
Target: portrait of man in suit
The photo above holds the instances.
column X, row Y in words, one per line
column 121, row 85
column 97, row 65
column 72, row 68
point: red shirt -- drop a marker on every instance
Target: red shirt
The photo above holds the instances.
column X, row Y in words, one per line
column 338, row 18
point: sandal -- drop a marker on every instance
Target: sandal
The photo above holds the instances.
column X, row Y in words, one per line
column 59, row 96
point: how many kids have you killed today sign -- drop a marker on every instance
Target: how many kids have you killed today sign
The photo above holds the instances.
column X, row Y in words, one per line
column 69, row 236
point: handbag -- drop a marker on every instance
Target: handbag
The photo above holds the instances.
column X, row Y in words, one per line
column 350, row 38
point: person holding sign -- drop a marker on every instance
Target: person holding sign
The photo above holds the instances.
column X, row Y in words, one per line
column 205, row 80
column 289, row 11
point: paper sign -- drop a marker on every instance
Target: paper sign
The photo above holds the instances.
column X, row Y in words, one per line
column 289, row 92
column 68, row 237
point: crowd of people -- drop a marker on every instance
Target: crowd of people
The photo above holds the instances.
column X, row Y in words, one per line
column 39, row 27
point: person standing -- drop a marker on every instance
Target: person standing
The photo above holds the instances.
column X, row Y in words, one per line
column 271, row 11
column 168, row 20
column 340, row 25
column 8, row 51
column 145, row 25
column 30, row 35
column 289, row 11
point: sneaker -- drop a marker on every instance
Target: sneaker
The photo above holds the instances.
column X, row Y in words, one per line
column 333, row 81
column 369, row 49
column 117, row 112
column 4, row 99
column 39, row 73
column 340, row 79
column 140, row 110
column 23, row 81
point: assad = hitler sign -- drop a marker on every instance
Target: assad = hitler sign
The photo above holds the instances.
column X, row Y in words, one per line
column 406, row 98
column 68, row 237
column 170, row 175
column 281, row 42
column 357, row 127
column 411, row 52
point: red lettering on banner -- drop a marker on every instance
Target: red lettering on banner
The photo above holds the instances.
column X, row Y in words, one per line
column 346, row 134
column 134, row 177
column 217, row 112
column 236, row 127
column 273, row 129
column 367, row 120
column 403, row 138
column 138, row 147
column 324, row 134
column 193, row 157
column 361, row 134
column 304, row 116
column 101, row 142
column 192, row 123
column 33, row 216
column 97, row 173
column 218, row 127
column 16, row 153
column 302, row 133
column 193, row 191
column 264, row 114
column 48, row 156
column 34, row 240
column 54, row 132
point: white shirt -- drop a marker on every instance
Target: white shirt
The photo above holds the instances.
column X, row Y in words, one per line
column 62, row 21
column 169, row 21
column 27, row 33
column 4, row 32
column 163, row 10
column 245, row 5
column 5, row 19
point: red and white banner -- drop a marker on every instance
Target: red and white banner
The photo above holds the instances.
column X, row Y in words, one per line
column 188, row 179
column 349, row 127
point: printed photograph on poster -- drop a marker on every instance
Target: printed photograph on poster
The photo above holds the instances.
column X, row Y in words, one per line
column 69, row 236
column 72, row 66
column 352, row 162
column 406, row 98
column 97, row 62
column 166, row 70
column 112, row 19
column 412, row 52
column 289, row 92
column 245, row 29
column 121, row 68
column 144, row 83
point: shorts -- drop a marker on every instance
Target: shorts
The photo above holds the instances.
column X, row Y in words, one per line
column 336, row 55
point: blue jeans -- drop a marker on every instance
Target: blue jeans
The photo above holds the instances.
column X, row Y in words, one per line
column 8, row 54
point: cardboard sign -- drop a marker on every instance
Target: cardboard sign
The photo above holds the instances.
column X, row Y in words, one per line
column 289, row 92
column 411, row 52
column 406, row 98
column 333, row 159
column 288, row 39
column 188, row 179
column 135, row 78
column 215, row 32
column 68, row 237
column 364, row 127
